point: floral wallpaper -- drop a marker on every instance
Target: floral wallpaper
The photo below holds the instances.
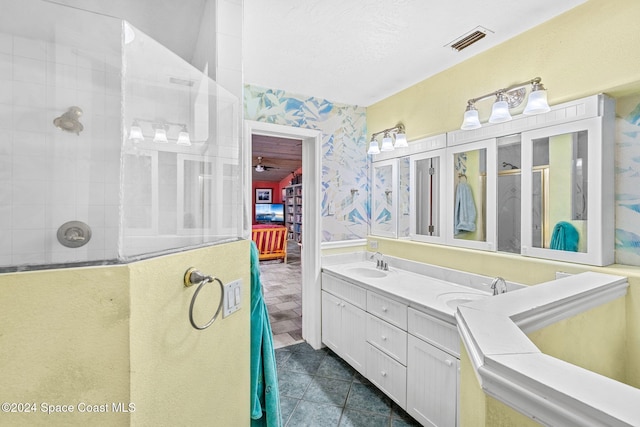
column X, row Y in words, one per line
column 345, row 212
column 628, row 183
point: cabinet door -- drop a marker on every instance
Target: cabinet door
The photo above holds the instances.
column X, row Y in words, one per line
column 384, row 199
column 471, row 195
column 567, row 211
column 432, row 384
column 388, row 375
column 331, row 322
column 354, row 330
column 428, row 206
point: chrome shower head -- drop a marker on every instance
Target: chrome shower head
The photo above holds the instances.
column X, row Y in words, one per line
column 69, row 121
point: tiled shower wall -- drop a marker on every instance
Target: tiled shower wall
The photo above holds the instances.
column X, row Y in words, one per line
column 48, row 176
column 344, row 160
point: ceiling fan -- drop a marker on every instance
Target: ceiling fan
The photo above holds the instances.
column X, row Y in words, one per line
column 261, row 168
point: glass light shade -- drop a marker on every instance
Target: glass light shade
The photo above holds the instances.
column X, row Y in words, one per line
column 135, row 134
column 500, row 112
column 373, row 147
column 183, row 138
column 471, row 120
column 537, row 103
column 387, row 144
column 160, row 136
column 401, row 141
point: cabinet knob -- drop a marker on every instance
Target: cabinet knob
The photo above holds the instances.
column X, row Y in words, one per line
column 383, row 338
column 338, row 303
column 383, row 373
column 448, row 362
column 384, row 309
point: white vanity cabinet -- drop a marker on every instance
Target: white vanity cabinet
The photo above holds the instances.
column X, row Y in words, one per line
column 433, row 363
column 344, row 320
column 409, row 355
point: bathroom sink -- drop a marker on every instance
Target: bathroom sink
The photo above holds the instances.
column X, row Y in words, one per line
column 454, row 299
column 372, row 273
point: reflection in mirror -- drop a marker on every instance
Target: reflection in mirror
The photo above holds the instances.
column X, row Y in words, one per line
column 427, row 182
column 470, row 176
column 559, row 192
column 508, row 194
column 382, row 218
column 198, row 192
column 404, row 195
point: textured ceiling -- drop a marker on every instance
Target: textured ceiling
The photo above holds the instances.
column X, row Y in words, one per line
column 361, row 51
column 281, row 156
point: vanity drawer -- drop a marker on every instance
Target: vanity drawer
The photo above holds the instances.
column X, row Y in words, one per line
column 387, row 309
column 387, row 338
column 388, row 375
column 435, row 331
column 345, row 290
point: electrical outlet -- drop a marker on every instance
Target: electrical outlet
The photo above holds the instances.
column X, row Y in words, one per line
column 232, row 295
column 373, row 244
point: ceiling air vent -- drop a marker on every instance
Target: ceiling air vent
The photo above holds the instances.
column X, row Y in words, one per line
column 468, row 39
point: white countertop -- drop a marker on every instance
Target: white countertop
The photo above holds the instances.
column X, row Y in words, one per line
column 418, row 291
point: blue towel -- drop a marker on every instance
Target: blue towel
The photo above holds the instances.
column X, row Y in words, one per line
column 465, row 209
column 565, row 237
column 265, row 399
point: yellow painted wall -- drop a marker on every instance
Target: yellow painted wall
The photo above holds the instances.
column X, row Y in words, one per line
column 179, row 375
column 593, row 340
column 590, row 49
column 103, row 335
column 64, row 340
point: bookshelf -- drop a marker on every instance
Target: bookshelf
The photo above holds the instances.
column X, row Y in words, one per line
column 293, row 212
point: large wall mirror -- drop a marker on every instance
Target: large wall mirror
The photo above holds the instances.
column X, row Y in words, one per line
column 540, row 187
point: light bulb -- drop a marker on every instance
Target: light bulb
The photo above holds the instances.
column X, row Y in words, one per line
column 471, row 120
column 183, row 138
column 160, row 136
column 500, row 110
column 387, row 143
column 401, row 141
column 135, row 133
column 373, row 147
column 537, row 102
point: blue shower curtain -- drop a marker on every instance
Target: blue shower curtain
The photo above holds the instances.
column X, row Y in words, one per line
column 265, row 399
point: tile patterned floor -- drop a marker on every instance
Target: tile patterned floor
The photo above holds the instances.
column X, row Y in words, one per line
column 282, row 287
column 319, row 389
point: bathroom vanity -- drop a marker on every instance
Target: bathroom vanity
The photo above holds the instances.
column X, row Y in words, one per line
column 397, row 328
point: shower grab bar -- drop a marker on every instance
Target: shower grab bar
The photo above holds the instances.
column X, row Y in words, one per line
column 193, row 277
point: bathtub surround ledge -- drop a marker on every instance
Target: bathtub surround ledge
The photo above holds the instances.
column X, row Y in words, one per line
column 542, row 387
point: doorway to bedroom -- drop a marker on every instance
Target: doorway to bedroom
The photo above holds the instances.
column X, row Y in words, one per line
column 276, row 176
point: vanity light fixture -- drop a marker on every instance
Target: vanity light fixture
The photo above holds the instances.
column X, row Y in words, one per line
column 507, row 98
column 397, row 132
column 160, row 130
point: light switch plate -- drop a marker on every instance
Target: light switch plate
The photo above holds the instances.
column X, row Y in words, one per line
column 232, row 297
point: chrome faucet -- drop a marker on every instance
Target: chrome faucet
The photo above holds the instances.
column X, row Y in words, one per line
column 381, row 264
column 499, row 286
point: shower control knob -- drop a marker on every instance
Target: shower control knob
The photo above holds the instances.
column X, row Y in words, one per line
column 74, row 234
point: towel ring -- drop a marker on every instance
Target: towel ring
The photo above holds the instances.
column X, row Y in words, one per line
column 193, row 276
